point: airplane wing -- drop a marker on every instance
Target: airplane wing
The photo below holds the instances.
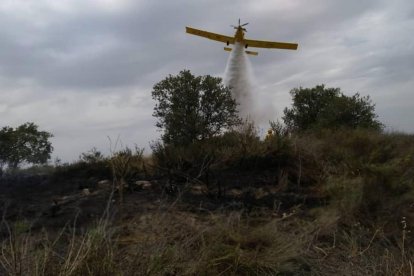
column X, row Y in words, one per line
column 213, row 36
column 270, row 44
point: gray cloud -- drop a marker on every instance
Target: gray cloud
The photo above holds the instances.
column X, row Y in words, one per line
column 84, row 70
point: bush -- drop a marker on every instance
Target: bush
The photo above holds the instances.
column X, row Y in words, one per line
column 91, row 164
column 368, row 174
column 320, row 107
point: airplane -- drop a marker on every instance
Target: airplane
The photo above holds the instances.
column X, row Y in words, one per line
column 239, row 38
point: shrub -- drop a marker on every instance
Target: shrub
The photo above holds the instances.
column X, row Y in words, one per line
column 320, row 107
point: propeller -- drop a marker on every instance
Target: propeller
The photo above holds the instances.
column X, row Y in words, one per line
column 240, row 25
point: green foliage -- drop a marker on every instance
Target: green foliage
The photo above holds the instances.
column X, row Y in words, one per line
column 24, row 144
column 191, row 108
column 92, row 156
column 320, row 107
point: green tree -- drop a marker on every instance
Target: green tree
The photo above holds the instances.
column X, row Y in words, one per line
column 321, row 107
column 191, row 108
column 24, row 144
column 6, row 137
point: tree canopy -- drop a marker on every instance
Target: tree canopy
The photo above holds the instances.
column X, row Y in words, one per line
column 321, row 107
column 24, row 144
column 191, row 108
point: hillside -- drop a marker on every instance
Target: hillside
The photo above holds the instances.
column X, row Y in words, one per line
column 321, row 203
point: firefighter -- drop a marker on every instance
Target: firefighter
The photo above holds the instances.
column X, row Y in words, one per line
column 269, row 135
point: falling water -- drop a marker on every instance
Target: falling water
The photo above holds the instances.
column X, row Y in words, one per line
column 238, row 77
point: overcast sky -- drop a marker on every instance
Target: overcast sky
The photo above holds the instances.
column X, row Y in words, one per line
column 84, row 70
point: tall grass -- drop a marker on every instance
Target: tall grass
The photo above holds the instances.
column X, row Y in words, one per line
column 62, row 253
column 177, row 242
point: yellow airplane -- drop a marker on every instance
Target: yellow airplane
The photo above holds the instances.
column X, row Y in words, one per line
column 239, row 38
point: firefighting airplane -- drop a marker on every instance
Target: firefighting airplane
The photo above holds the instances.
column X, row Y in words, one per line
column 239, row 38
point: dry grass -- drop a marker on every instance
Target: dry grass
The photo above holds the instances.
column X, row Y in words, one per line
column 187, row 245
column 63, row 253
column 173, row 242
column 160, row 243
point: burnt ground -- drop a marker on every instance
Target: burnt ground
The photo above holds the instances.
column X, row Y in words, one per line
column 45, row 202
column 48, row 202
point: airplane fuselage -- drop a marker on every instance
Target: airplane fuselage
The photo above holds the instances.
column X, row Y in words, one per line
column 239, row 35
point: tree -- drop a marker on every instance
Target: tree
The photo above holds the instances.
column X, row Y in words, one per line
column 92, row 156
column 191, row 108
column 6, row 136
column 24, row 144
column 321, row 107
